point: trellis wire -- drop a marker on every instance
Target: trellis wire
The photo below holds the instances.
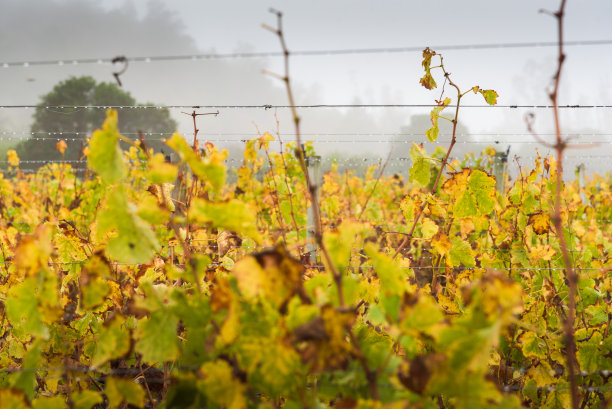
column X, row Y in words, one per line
column 305, row 106
column 320, row 52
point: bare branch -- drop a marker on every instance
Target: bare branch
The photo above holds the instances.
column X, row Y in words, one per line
column 571, row 276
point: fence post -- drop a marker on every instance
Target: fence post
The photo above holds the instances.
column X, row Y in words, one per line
column 500, row 164
column 581, row 182
column 313, row 164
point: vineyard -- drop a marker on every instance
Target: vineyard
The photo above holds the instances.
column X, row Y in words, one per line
column 114, row 292
column 144, row 282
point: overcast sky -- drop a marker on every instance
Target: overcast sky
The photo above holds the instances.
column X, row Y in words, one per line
column 66, row 29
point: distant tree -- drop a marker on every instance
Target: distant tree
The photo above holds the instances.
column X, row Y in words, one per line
column 85, row 91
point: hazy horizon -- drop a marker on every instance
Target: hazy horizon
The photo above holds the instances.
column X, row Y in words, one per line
column 71, row 29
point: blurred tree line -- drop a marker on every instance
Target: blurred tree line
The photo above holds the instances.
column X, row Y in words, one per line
column 75, row 91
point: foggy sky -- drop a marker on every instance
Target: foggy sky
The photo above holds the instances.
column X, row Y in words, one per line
column 66, row 29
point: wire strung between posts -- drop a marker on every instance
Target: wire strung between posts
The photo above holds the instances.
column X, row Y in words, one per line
column 311, row 106
column 327, row 159
column 234, row 162
column 150, row 136
column 458, row 134
column 303, row 53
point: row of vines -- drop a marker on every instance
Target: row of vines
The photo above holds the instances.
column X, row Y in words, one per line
column 113, row 292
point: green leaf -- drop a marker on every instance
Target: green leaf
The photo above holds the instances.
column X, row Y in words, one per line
column 392, row 277
column 560, row 397
column 93, row 294
column 53, row 402
column 461, row 253
column 272, row 364
column 220, row 386
column 123, row 390
column 233, row 215
column 105, row 156
column 420, row 171
column 22, row 308
column 156, row 336
column 150, row 211
column 133, row 241
column 432, row 133
column 489, row 95
column 161, row 171
column 592, row 354
column 475, row 191
column 26, row 379
column 482, row 187
column 86, row 399
column 341, row 243
column 428, row 228
column 112, row 342
column 393, row 281
column 209, row 169
column 408, row 208
column 532, row 346
column 422, row 315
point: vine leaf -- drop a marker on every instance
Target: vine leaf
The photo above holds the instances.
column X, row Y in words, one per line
column 113, row 341
column 432, row 133
column 22, row 308
column 221, row 387
column 123, row 390
column 61, row 146
column 340, row 244
column 474, row 190
column 533, row 347
column 208, row 169
column 393, row 281
column 105, row 156
column 489, row 95
column 86, row 399
column 161, row 171
column 408, row 207
column 46, row 402
column 26, row 380
column 327, row 347
column 271, row 274
column 427, row 80
column 420, row 171
column 232, row 215
column 157, row 339
column 132, row 239
column 461, row 254
column 429, row 228
column 94, row 291
column 540, row 223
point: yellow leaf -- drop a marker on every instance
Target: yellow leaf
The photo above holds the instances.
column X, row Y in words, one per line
column 13, row 159
column 540, row 222
column 442, row 245
column 541, row 252
column 578, row 228
column 466, row 226
column 61, row 146
column 428, row 228
column 272, row 274
column 221, row 387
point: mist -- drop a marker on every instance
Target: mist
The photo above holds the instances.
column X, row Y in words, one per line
column 64, row 30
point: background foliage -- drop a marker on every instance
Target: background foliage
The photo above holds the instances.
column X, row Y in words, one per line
column 85, row 91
